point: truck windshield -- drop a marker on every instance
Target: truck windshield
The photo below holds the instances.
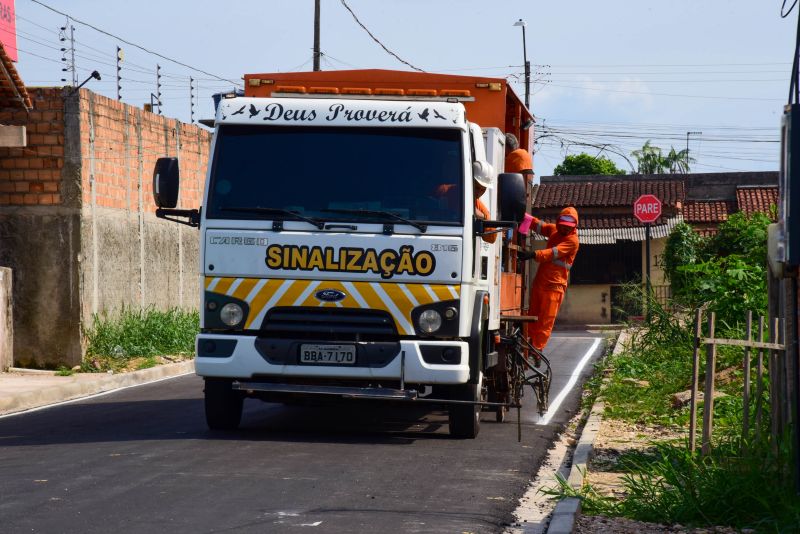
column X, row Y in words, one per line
column 335, row 174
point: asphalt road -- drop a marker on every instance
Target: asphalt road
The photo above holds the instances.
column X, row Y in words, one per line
column 142, row 460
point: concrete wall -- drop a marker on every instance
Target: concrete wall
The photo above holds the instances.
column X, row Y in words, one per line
column 77, row 221
column 657, row 276
column 6, row 320
column 40, row 230
column 586, row 304
column 154, row 261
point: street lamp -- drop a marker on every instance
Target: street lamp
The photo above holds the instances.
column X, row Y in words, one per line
column 521, row 23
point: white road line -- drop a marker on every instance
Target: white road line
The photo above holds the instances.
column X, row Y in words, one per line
column 571, row 382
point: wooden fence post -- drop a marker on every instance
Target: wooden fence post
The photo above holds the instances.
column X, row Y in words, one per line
column 774, row 393
column 708, row 394
column 759, row 378
column 698, row 332
column 746, row 396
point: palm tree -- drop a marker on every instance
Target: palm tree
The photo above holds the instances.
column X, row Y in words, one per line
column 649, row 159
column 678, row 162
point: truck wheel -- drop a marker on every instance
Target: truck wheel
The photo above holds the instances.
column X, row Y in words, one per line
column 223, row 405
column 465, row 419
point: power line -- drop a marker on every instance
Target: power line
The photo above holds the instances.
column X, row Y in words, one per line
column 667, row 94
column 401, row 60
column 132, row 43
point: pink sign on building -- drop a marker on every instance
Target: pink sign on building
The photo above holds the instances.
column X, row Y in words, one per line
column 8, row 28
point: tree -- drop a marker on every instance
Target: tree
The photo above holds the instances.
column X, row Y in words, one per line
column 582, row 164
column 678, row 162
column 651, row 160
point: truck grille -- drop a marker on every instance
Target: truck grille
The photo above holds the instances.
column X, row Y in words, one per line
column 329, row 324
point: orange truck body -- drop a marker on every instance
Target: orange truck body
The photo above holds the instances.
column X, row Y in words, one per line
column 490, row 102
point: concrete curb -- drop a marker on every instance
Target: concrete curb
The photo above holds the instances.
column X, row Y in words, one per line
column 83, row 386
column 567, row 510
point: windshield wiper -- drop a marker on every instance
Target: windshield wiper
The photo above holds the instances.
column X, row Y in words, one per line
column 256, row 209
column 380, row 213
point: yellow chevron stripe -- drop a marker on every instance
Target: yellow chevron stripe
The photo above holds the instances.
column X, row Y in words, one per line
column 292, row 293
column 441, row 292
column 399, row 302
column 258, row 302
column 244, row 288
column 224, row 285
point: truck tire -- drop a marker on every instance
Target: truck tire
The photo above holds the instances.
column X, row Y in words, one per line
column 465, row 419
column 223, row 404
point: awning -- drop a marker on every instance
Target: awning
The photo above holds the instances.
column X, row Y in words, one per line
column 609, row 236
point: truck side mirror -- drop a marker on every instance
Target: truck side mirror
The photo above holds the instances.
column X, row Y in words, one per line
column 511, row 190
column 165, row 182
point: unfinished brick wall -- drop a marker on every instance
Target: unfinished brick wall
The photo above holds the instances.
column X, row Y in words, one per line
column 31, row 175
column 127, row 138
column 77, row 221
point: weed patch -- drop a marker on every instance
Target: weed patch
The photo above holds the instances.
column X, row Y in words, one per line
column 139, row 338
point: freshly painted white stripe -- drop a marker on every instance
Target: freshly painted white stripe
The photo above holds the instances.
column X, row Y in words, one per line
column 398, row 315
column 408, row 295
column 453, row 291
column 351, row 290
column 284, row 287
column 571, row 382
column 433, row 296
column 213, row 284
column 256, row 289
column 234, row 286
column 93, row 396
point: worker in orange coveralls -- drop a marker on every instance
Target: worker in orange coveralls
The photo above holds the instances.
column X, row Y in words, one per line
column 518, row 159
column 550, row 282
column 480, row 183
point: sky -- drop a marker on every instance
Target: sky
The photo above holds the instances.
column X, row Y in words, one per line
column 607, row 76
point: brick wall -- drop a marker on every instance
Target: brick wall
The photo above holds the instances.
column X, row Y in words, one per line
column 125, row 138
column 77, row 223
column 31, row 175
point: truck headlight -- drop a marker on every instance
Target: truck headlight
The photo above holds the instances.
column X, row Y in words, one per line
column 231, row 314
column 429, row 321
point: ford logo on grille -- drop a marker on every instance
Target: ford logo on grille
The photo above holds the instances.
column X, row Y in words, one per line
column 330, row 295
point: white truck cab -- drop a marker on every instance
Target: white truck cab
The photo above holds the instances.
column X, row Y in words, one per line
column 340, row 254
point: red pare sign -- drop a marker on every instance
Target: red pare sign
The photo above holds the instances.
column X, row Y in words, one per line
column 647, row 208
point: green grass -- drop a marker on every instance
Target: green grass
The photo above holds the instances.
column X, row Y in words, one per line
column 115, row 340
column 668, row 484
column 64, row 371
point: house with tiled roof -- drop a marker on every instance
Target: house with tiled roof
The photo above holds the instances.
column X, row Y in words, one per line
column 613, row 246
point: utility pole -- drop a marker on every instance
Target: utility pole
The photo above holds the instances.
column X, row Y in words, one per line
column 687, row 146
column 316, row 36
column 522, row 23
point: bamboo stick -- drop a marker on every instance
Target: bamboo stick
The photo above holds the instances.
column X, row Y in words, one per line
column 698, row 326
column 759, row 379
column 708, row 395
column 746, row 396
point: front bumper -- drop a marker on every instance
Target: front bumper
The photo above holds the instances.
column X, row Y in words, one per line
column 246, row 362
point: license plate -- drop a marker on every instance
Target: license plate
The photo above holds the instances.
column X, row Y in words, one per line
column 328, row 354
